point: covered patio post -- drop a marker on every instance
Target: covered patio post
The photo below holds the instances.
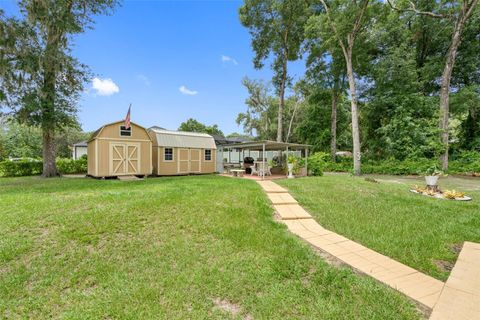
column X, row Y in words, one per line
column 306, row 160
column 286, row 159
column 263, row 160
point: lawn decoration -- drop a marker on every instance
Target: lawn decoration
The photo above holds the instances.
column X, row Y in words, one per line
column 437, row 193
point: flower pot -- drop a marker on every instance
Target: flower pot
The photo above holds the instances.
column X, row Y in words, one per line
column 431, row 180
column 290, row 169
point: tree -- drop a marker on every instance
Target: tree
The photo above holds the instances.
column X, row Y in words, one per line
column 466, row 103
column 458, row 12
column 19, row 140
column 261, row 110
column 346, row 19
column 315, row 119
column 69, row 136
column 399, row 116
column 277, row 27
column 239, row 136
column 326, row 70
column 41, row 80
column 192, row 125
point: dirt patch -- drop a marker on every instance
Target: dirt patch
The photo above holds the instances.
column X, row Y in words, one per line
column 444, row 266
column 456, row 248
column 277, row 217
column 328, row 258
column 370, row 179
column 447, row 266
column 230, row 307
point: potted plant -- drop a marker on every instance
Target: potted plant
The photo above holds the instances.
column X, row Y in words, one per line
column 291, row 160
column 431, row 176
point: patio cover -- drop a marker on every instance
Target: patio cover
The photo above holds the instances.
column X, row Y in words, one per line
column 267, row 145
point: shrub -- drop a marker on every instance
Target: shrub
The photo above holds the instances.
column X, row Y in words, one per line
column 70, row 166
column 31, row 167
column 388, row 166
column 317, row 163
column 23, row 167
column 465, row 162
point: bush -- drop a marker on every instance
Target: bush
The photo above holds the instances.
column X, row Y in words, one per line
column 317, row 162
column 23, row 167
column 389, row 166
column 70, row 166
column 465, row 162
column 32, row 167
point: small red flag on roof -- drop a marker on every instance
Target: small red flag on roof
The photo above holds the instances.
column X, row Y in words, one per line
column 127, row 118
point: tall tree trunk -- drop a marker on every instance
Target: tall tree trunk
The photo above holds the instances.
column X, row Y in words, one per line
column 281, row 105
column 49, row 165
column 289, row 132
column 357, row 154
column 333, row 141
column 447, row 76
column 48, row 105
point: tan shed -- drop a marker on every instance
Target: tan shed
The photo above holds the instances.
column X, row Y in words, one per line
column 178, row 152
column 114, row 151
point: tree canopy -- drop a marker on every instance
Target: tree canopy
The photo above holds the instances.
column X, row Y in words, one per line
column 40, row 79
column 410, row 71
column 192, row 125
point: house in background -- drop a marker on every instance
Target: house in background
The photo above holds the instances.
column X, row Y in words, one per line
column 79, row 149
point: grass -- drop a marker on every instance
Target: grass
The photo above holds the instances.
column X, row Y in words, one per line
column 171, row 248
column 418, row 231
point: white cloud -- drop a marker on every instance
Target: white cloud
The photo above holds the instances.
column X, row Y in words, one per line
column 226, row 59
column 143, row 78
column 188, row 92
column 104, row 87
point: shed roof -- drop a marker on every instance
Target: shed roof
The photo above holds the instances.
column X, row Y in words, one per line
column 97, row 132
column 182, row 139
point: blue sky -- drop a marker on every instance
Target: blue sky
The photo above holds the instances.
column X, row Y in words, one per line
column 172, row 60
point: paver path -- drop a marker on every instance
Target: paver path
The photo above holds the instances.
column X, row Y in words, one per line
column 457, row 299
column 460, row 298
column 418, row 286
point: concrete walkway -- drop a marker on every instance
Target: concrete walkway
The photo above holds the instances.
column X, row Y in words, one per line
column 418, row 286
column 460, row 298
column 457, row 299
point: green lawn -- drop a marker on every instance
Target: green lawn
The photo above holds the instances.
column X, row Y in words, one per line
column 171, row 248
column 419, row 231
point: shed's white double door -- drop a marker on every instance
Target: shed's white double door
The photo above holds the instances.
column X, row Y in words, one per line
column 124, row 158
column 189, row 161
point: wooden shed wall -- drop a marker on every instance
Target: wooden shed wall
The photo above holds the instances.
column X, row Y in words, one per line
column 91, row 158
column 165, row 168
column 99, row 165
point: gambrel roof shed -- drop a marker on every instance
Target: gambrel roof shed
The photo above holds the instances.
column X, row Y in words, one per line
column 114, row 150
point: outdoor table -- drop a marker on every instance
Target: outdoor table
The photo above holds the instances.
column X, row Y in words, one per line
column 237, row 172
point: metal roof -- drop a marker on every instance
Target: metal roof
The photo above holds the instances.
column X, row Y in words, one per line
column 182, row 139
column 220, row 140
column 80, row 144
column 269, row 145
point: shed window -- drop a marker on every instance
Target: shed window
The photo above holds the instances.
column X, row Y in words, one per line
column 125, row 132
column 208, row 155
column 168, row 155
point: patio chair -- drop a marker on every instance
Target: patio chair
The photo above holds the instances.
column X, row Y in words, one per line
column 254, row 170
